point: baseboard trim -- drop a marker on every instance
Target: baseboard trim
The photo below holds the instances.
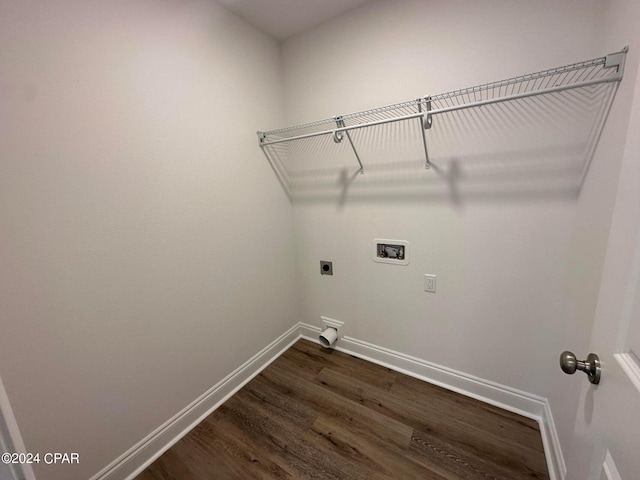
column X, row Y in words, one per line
column 141, row 455
column 551, row 443
column 510, row 399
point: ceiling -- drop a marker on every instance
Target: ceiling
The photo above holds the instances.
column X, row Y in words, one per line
column 284, row 18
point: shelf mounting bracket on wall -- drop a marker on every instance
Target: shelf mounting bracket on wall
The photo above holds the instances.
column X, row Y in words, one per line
column 617, row 60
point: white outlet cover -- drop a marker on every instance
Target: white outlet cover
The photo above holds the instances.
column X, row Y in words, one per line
column 430, row 283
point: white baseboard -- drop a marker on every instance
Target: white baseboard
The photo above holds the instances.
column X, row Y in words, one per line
column 516, row 401
column 136, row 459
column 551, row 442
column 141, row 455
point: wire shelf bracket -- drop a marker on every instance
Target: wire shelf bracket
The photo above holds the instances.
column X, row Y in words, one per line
column 426, row 122
column 338, row 137
column 607, row 69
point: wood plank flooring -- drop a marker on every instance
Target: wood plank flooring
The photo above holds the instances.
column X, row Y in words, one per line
column 320, row 414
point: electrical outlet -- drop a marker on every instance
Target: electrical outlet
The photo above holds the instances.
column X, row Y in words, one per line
column 430, row 283
column 331, row 323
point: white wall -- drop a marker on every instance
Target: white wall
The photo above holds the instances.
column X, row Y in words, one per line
column 145, row 245
column 518, row 258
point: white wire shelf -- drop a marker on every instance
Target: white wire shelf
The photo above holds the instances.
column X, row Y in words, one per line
column 607, row 69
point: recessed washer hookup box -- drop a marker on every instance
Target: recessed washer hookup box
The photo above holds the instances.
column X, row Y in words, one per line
column 391, row 251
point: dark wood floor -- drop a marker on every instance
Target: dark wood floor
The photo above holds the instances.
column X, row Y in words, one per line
column 321, row 414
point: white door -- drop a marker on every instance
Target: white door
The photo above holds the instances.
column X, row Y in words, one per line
column 606, row 440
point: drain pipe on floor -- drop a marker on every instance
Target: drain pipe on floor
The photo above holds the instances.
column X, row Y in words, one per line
column 329, row 337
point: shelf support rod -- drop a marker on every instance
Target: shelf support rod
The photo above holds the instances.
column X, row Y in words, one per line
column 517, row 96
column 343, row 129
column 426, row 121
column 337, row 137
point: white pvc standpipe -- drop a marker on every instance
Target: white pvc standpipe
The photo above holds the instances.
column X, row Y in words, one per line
column 329, row 337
